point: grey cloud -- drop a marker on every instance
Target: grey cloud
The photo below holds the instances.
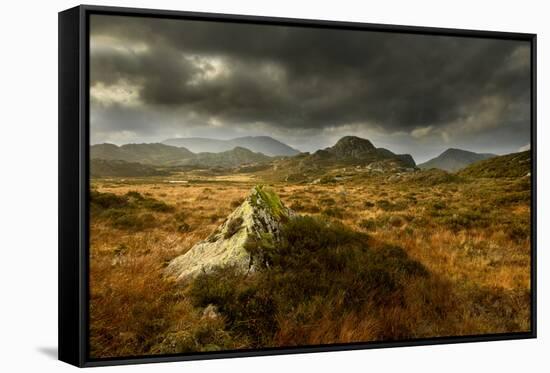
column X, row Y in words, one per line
column 289, row 79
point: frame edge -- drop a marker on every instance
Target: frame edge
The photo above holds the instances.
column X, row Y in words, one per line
column 69, row 248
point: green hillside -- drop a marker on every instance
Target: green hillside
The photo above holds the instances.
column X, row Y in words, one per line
column 510, row 165
column 155, row 154
column 118, row 168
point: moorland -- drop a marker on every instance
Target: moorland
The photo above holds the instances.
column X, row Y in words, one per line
column 377, row 248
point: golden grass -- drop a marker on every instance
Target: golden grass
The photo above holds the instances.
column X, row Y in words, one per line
column 479, row 271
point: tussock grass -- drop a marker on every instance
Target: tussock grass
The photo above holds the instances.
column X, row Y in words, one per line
column 440, row 257
column 131, row 211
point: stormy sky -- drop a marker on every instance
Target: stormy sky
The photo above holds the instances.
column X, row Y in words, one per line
column 153, row 79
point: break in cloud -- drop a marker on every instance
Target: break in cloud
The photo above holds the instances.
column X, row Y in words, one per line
column 153, row 79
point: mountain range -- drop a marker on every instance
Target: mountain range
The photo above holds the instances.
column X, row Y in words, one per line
column 258, row 144
column 453, row 160
column 231, row 158
column 166, row 155
column 152, row 154
column 145, row 159
column 125, row 160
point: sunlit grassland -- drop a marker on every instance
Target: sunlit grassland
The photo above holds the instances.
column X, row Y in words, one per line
column 470, row 235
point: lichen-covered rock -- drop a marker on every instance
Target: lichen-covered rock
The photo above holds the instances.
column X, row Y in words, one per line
column 259, row 217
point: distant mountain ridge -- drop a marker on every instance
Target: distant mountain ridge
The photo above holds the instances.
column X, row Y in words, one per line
column 258, row 144
column 165, row 155
column 452, row 160
column 152, row 154
column 231, row 158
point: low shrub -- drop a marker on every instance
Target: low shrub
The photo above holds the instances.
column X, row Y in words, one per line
column 368, row 204
column 204, row 335
column 135, row 222
column 519, row 231
column 464, row 220
column 315, row 259
column 314, row 209
column 297, row 206
column 523, row 197
column 327, row 201
column 396, row 221
column 368, row 224
column 184, row 227
column 180, row 217
column 135, row 195
column 105, row 201
column 433, row 177
column 334, row 212
column 386, row 205
column 130, row 211
column 156, row 205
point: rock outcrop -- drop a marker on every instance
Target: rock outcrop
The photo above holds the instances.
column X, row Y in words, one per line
column 352, row 147
column 259, row 217
column 356, row 151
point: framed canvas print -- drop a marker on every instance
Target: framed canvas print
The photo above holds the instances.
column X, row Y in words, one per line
column 234, row 186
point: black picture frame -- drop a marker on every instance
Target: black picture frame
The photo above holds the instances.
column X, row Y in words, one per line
column 73, row 247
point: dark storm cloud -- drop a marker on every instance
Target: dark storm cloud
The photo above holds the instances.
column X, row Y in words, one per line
column 305, row 79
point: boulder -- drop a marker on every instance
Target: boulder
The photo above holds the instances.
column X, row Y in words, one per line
column 259, row 217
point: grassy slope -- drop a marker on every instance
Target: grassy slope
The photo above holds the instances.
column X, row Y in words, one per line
column 117, row 168
column 510, row 165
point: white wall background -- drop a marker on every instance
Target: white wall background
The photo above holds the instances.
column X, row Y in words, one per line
column 28, row 185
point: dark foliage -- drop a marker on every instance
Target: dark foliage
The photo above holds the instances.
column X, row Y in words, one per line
column 314, row 259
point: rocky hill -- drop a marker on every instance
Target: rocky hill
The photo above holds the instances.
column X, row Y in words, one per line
column 350, row 154
column 510, row 165
column 358, row 151
column 352, row 147
column 452, row 160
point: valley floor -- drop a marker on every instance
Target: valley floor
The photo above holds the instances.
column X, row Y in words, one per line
column 471, row 235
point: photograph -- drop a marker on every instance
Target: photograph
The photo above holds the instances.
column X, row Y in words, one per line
column 266, row 185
